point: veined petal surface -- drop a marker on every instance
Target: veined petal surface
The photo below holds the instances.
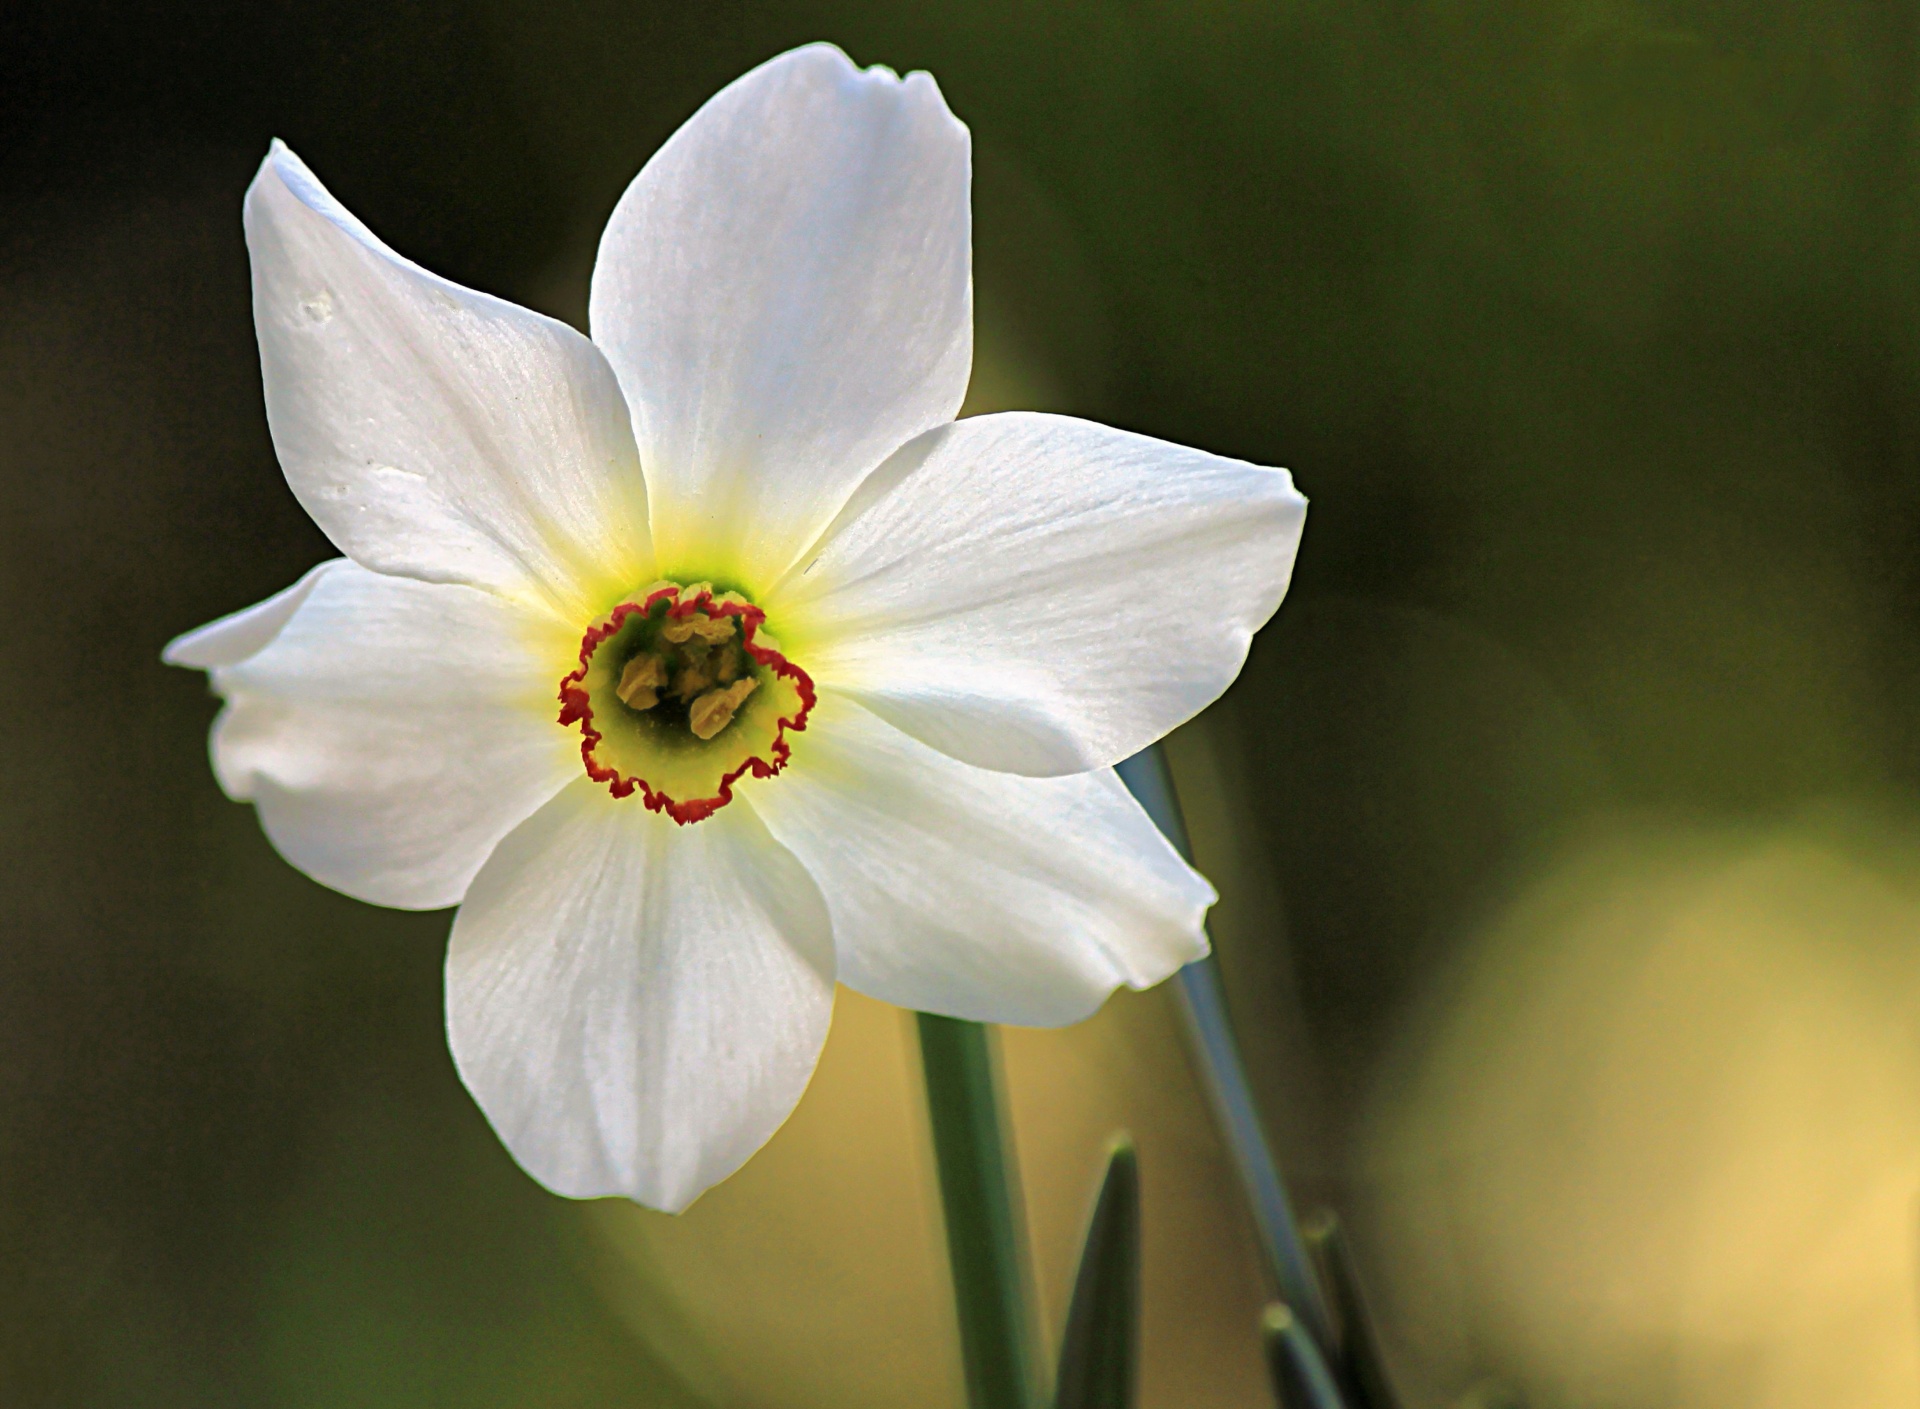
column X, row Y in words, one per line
column 638, row 1006
column 786, row 294
column 1043, row 595
column 977, row 894
column 393, row 731
column 432, row 431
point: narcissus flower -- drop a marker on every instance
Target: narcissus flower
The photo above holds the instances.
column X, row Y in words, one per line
column 712, row 660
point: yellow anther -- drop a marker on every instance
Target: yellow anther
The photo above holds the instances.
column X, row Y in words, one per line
column 691, row 679
column 714, row 710
column 640, row 682
column 699, row 627
column 678, row 696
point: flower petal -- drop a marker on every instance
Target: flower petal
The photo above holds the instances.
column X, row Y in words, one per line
column 244, row 633
column 393, row 731
column 637, row 1006
column 978, row 894
column 1040, row 594
column 786, row 293
column 432, row 431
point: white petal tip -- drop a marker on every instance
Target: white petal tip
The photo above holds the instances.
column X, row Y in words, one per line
column 833, row 61
column 283, row 169
column 283, row 164
column 242, row 634
column 675, row 1201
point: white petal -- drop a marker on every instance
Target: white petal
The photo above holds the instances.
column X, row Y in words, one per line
column 978, row 894
column 433, row 431
column 394, row 731
column 240, row 634
column 1040, row 594
column 638, row 1006
column 786, row 294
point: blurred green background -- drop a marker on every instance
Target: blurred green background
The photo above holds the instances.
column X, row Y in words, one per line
column 1565, row 818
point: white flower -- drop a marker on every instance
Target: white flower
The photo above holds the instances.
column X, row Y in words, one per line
column 847, row 676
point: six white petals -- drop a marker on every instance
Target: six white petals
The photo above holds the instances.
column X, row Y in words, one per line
column 994, row 610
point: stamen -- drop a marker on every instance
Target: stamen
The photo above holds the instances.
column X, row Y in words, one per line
column 713, row 711
column 669, row 699
column 711, row 630
column 640, row 682
column 692, row 679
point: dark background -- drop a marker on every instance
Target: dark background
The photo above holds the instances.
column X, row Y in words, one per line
column 1588, row 328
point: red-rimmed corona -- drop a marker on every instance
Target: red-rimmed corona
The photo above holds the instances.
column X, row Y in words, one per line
column 841, row 678
column 679, row 694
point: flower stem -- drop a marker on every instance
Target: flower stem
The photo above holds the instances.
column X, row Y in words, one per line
column 979, row 1191
column 1203, row 1008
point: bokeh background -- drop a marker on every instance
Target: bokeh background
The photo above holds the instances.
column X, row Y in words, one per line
column 1567, row 818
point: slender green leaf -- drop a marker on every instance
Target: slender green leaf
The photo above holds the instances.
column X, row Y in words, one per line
column 1301, row 1377
column 1358, row 1348
column 1099, row 1350
column 979, row 1192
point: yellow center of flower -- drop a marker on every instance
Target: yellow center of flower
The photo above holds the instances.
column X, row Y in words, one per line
column 680, row 692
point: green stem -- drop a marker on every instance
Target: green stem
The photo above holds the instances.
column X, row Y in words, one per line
column 1203, row 1006
column 979, row 1191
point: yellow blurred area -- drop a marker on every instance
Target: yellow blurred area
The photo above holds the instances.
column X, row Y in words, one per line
column 816, row 1276
column 1659, row 1141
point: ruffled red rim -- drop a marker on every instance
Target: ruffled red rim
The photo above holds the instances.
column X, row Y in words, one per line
column 577, row 708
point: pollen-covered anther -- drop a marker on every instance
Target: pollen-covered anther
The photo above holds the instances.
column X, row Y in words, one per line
column 641, row 682
column 691, row 680
column 713, row 711
column 679, row 694
column 698, row 627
